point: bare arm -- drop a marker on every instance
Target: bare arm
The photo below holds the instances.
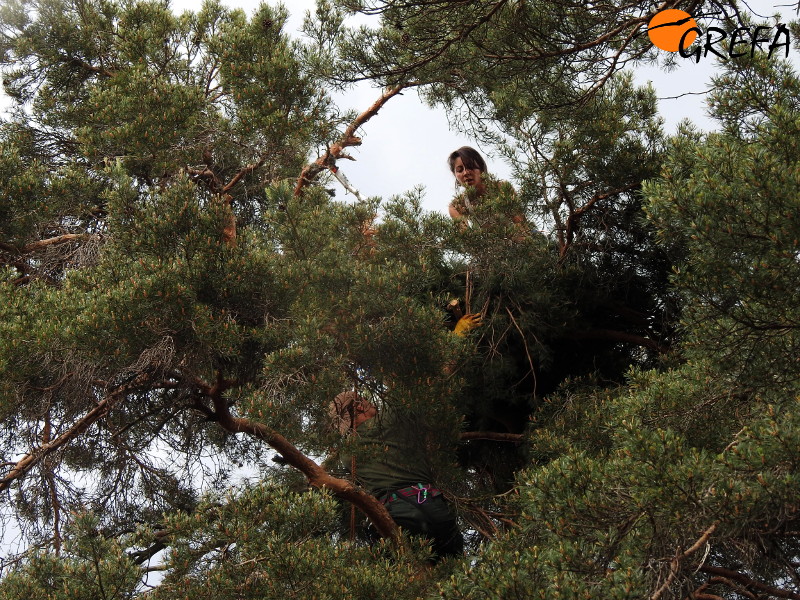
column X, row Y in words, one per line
column 454, row 212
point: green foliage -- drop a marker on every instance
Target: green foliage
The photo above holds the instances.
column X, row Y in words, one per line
column 91, row 566
column 649, row 458
column 115, row 267
column 691, row 470
column 268, row 543
column 733, row 198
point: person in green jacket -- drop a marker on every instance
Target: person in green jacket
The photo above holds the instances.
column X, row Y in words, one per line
column 391, row 462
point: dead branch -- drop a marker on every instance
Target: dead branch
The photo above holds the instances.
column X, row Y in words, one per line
column 76, row 62
column 347, row 139
column 207, row 176
column 221, row 195
column 483, row 520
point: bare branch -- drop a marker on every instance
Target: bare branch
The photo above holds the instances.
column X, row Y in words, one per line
column 347, row 139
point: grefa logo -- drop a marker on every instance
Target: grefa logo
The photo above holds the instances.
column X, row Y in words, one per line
column 676, row 30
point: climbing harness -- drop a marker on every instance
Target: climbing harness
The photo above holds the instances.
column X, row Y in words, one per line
column 422, row 492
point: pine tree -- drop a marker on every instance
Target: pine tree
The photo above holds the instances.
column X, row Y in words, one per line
column 165, row 319
column 682, row 482
column 180, row 297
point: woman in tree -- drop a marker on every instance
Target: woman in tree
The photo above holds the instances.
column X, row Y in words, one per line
column 469, row 169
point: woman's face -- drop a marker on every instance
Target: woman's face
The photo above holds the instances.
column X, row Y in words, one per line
column 465, row 176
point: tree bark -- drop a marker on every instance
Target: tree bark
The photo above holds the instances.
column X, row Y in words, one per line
column 317, row 476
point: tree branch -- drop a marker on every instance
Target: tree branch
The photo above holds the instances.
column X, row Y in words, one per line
column 675, row 565
column 317, row 476
column 748, row 582
column 35, row 456
column 738, row 588
column 206, row 175
column 76, row 62
column 347, row 139
column 33, row 246
column 490, row 435
column 220, row 191
column 575, row 214
column 242, row 172
column 527, row 351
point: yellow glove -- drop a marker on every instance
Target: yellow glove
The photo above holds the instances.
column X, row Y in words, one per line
column 467, row 323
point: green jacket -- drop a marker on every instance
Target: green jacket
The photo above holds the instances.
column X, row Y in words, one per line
column 391, row 452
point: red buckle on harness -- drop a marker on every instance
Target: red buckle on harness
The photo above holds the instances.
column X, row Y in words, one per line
column 422, row 492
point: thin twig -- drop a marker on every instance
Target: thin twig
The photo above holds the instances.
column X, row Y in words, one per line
column 675, row 565
column 527, row 352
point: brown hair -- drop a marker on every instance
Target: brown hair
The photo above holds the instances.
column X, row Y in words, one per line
column 469, row 156
column 344, row 409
